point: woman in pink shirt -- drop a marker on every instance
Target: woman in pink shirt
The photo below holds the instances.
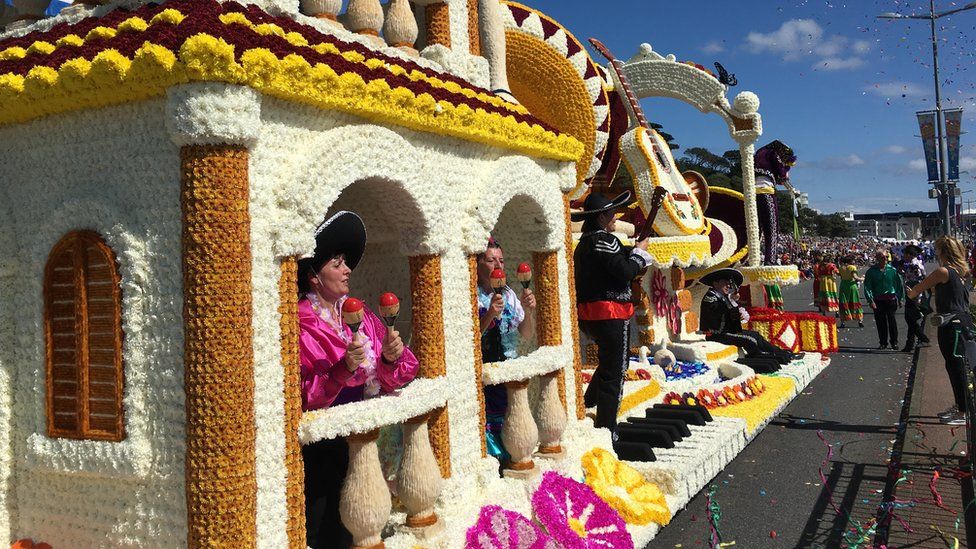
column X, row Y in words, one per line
column 337, row 366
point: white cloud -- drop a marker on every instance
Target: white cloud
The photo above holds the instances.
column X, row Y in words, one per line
column 896, row 149
column 797, row 39
column 917, row 165
column 713, row 47
column 791, row 40
column 837, row 162
column 896, row 89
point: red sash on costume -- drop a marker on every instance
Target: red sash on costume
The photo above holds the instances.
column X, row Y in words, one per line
column 605, row 310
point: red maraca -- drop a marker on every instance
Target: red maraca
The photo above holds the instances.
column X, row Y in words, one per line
column 352, row 314
column 389, row 308
column 497, row 278
column 524, row 274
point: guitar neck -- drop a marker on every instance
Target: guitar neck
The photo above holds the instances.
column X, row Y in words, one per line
column 617, row 66
column 634, row 107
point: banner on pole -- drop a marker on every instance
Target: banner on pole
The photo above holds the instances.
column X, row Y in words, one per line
column 926, row 127
column 953, row 122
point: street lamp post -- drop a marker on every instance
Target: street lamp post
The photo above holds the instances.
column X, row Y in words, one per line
column 944, row 187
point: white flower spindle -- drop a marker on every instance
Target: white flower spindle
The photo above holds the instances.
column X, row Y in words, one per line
column 365, row 503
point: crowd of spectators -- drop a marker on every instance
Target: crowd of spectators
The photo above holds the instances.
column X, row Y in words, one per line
column 858, row 250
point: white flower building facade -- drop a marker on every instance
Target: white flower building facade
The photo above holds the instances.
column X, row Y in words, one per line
column 205, row 188
column 164, row 167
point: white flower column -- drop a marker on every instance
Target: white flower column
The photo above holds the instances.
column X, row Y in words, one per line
column 745, row 131
column 214, row 124
column 419, row 480
column 520, row 435
column 365, row 504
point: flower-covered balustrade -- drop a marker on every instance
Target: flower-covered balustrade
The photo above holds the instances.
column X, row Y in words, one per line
column 534, row 381
column 419, row 409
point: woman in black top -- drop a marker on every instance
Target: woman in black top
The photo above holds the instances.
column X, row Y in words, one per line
column 951, row 298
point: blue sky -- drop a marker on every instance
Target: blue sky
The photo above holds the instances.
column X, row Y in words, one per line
column 836, row 84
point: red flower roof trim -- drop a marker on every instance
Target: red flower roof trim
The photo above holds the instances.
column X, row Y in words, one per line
column 202, row 16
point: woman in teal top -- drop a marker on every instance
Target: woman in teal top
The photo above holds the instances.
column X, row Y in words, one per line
column 884, row 290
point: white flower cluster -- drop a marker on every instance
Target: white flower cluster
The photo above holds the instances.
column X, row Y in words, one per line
column 115, row 171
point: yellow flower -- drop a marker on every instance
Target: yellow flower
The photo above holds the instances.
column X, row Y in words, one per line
column 168, row 16
column 269, row 29
column 109, row 68
column 209, row 58
column 296, row 39
column 133, row 24
column 12, row 53
column 623, row 488
column 154, row 66
column 73, row 74
column 325, row 47
column 41, row 47
column 353, row 56
column 234, row 18
column 100, row 33
column 70, row 40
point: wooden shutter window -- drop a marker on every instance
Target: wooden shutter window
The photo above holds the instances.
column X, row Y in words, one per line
column 83, row 339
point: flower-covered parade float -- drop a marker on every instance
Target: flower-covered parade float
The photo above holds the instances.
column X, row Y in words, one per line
column 167, row 165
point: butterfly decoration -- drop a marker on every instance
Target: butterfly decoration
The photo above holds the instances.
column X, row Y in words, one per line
column 724, row 77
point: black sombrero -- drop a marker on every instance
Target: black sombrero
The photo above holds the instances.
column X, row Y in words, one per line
column 597, row 203
column 342, row 233
column 727, row 273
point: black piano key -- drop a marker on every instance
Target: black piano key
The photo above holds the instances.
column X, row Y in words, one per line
column 692, row 417
column 634, row 451
column 701, row 409
column 679, row 424
column 671, row 429
column 657, row 438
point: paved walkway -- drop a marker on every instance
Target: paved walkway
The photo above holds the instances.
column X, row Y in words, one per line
column 773, row 494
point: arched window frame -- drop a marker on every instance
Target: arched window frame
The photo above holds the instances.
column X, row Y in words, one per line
column 78, row 244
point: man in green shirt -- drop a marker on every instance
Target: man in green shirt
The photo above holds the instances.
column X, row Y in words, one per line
column 884, row 290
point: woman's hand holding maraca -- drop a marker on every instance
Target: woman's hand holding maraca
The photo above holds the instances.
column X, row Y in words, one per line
column 528, row 300
column 355, row 353
column 392, row 346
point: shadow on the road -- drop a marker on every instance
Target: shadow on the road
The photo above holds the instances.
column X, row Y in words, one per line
column 810, row 424
column 845, row 482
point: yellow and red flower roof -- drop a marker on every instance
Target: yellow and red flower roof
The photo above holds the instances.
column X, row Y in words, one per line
column 129, row 55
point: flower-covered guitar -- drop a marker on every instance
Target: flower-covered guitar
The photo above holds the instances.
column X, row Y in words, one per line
column 649, row 161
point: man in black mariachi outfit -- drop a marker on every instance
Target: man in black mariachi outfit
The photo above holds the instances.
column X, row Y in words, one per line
column 604, row 269
column 721, row 320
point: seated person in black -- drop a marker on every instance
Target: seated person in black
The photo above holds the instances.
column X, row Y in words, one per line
column 721, row 321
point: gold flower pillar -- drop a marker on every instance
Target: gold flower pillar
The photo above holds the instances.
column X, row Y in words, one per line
column 551, row 412
column 220, row 475
column 573, row 321
column 478, row 359
column 437, row 19
column 427, row 309
column 295, row 484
